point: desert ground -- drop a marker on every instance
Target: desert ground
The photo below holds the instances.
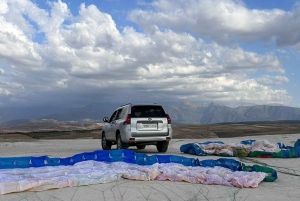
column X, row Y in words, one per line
column 59, row 143
column 286, row 187
column 180, row 131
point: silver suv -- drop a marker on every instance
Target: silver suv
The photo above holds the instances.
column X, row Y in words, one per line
column 137, row 125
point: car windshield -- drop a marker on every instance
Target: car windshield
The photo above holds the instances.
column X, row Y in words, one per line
column 147, row 111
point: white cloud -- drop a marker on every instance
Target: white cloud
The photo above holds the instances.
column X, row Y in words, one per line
column 3, row 7
column 224, row 21
column 9, row 88
column 88, row 58
column 16, row 46
column 62, row 83
column 92, row 28
column 272, row 80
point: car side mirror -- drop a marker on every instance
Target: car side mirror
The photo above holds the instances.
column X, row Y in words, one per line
column 105, row 119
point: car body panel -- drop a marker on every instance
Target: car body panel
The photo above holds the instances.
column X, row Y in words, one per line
column 144, row 128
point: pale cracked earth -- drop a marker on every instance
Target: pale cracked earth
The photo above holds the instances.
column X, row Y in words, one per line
column 285, row 188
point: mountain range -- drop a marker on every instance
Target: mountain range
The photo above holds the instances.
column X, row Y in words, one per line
column 186, row 113
column 218, row 113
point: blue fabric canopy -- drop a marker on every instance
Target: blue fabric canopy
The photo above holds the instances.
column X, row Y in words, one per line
column 129, row 156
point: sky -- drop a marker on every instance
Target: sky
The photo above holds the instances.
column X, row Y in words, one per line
column 72, row 53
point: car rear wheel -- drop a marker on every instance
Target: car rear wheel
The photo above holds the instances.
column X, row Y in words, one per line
column 140, row 146
column 162, row 146
column 120, row 143
column 106, row 145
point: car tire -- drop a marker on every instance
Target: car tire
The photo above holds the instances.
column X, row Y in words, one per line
column 106, row 145
column 140, row 146
column 120, row 143
column 162, row 146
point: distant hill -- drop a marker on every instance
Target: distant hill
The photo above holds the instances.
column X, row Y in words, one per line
column 91, row 112
column 217, row 113
column 186, row 113
column 46, row 125
column 13, row 113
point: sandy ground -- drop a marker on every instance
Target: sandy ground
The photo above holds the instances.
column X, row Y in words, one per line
column 285, row 188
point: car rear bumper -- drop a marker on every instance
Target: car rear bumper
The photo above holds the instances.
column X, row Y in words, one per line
column 148, row 139
column 129, row 137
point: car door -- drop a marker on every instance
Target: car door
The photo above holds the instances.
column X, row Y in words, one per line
column 118, row 121
column 110, row 134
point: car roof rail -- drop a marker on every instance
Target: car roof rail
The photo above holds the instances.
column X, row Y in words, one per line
column 125, row 104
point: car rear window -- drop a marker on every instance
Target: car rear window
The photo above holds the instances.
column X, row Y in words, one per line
column 147, row 111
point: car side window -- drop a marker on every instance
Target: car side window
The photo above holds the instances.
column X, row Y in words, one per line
column 122, row 112
column 119, row 114
column 113, row 116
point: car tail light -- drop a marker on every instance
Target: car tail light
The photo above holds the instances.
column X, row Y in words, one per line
column 127, row 120
column 169, row 119
column 168, row 138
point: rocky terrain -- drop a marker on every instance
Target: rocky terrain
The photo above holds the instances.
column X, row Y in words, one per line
column 65, row 130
